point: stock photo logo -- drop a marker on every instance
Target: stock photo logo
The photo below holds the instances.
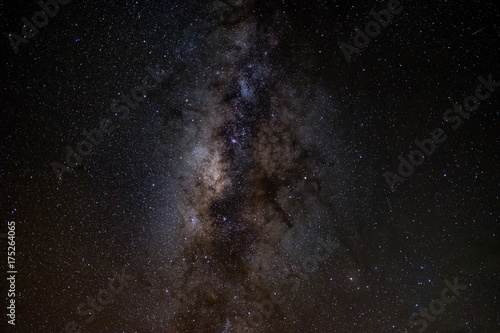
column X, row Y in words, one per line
column 94, row 305
column 427, row 147
column 266, row 307
column 372, row 29
column 31, row 28
column 94, row 137
column 437, row 306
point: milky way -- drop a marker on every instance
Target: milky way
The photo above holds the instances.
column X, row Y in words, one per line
column 245, row 171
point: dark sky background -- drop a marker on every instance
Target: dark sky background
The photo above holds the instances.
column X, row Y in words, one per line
column 260, row 140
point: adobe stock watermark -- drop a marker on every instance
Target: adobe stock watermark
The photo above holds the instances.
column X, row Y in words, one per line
column 372, row 29
column 437, row 306
column 39, row 20
column 94, row 137
column 103, row 297
column 427, row 147
column 265, row 307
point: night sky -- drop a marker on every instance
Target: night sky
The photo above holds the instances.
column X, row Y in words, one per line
column 251, row 166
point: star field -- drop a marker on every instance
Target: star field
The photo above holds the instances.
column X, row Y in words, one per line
column 221, row 166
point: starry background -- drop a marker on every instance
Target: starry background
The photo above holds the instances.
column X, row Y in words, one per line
column 260, row 139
